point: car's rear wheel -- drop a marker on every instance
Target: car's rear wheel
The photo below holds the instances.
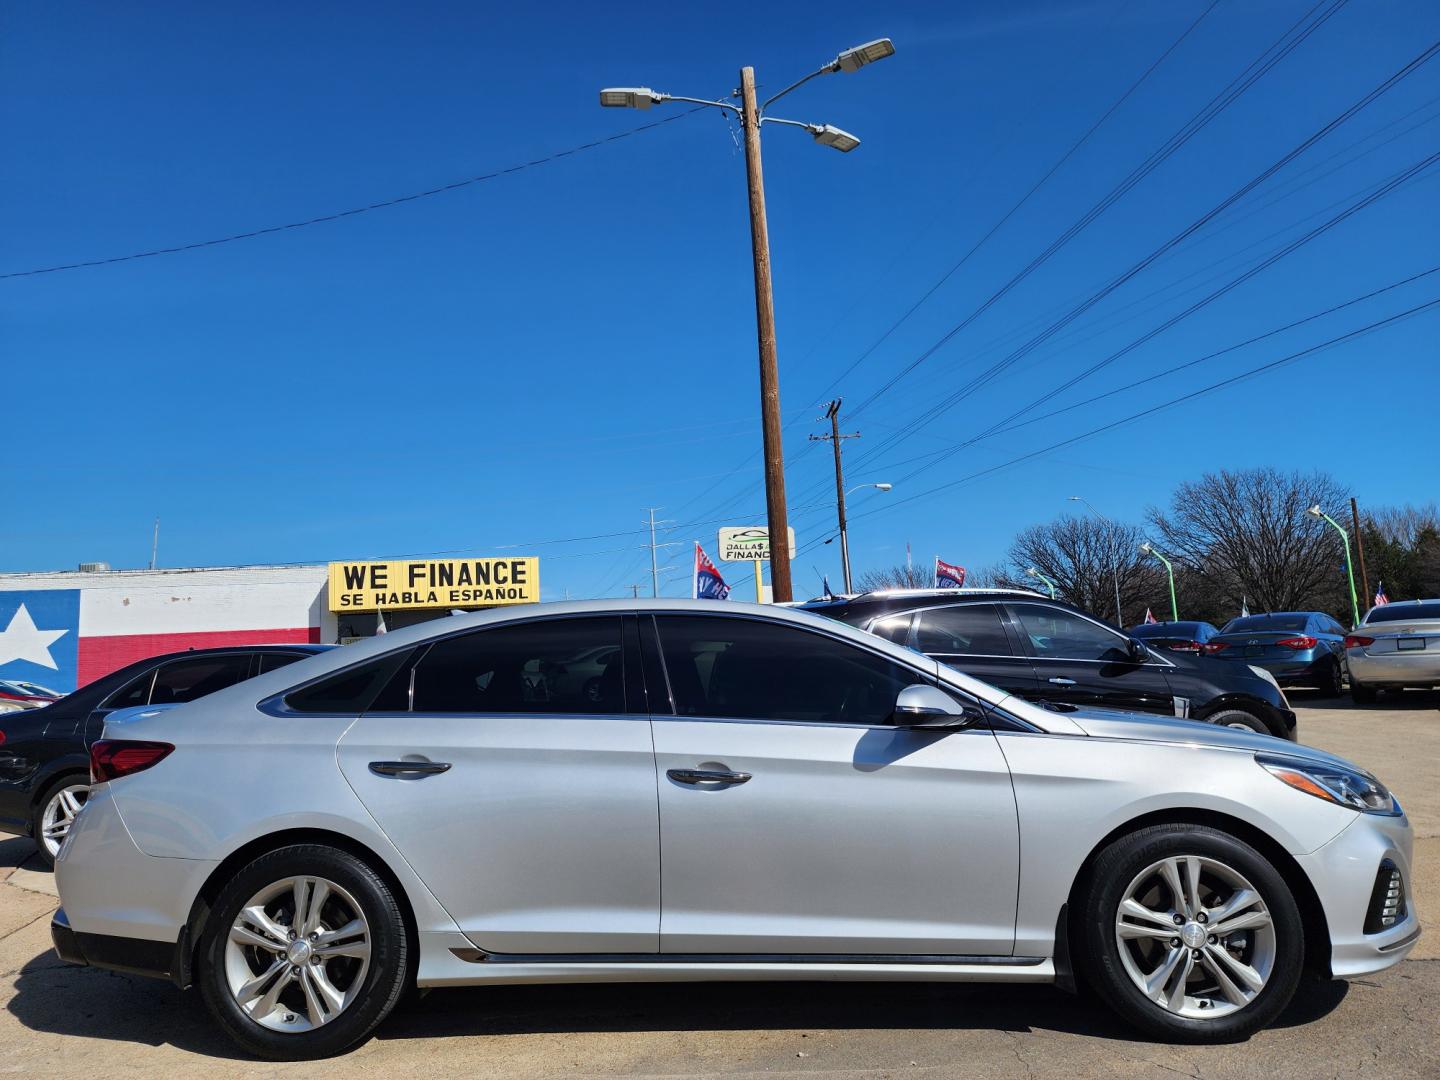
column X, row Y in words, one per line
column 1191, row 934
column 304, row 954
column 1363, row 695
column 1239, row 718
column 1332, row 683
column 55, row 813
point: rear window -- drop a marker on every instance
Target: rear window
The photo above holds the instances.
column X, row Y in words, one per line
column 1187, row 630
column 1252, row 623
column 1428, row 609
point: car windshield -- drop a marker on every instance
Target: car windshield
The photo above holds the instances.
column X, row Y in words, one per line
column 1252, row 623
column 1426, row 609
column 1190, row 630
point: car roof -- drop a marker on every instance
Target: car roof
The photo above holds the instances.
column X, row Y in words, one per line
column 877, row 595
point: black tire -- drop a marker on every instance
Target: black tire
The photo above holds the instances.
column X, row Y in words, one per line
column 1363, row 695
column 1103, row 967
column 382, row 984
column 37, row 812
column 1241, row 719
column 1332, row 685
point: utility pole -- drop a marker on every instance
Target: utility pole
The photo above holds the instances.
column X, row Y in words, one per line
column 1360, row 549
column 777, row 518
column 635, row 592
column 832, row 413
column 155, row 544
column 654, row 547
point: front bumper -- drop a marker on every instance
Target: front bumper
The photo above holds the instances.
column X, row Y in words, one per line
column 1421, row 668
column 1343, row 872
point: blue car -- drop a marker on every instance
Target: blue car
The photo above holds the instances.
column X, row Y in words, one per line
column 1181, row 636
column 1300, row 648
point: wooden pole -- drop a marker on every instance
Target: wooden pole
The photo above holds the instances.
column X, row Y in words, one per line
column 1360, row 550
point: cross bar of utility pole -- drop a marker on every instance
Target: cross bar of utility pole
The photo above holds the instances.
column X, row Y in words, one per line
column 832, row 413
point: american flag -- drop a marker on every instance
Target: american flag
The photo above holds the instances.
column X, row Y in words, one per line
column 1149, row 618
column 1380, row 598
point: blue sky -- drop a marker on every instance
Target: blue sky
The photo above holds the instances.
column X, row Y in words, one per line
column 544, row 355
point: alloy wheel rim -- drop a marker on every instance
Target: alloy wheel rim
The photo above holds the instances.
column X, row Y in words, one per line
column 59, row 816
column 297, row 953
column 1195, row 937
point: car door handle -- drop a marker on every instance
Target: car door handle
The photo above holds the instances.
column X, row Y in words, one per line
column 412, row 769
column 1063, row 682
column 706, row 776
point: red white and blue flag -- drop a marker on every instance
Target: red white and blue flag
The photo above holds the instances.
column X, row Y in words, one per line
column 65, row 638
column 1149, row 618
column 1380, row 598
column 948, row 576
column 708, row 584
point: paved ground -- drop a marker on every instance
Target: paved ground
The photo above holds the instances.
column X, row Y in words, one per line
column 58, row 1020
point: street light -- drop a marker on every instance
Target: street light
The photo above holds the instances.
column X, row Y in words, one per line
column 844, row 534
column 1119, row 618
column 1148, row 548
column 751, row 116
column 1036, row 574
column 1315, row 511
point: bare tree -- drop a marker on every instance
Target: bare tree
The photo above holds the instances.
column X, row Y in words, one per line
column 902, row 576
column 1247, row 534
column 1403, row 525
column 1083, row 556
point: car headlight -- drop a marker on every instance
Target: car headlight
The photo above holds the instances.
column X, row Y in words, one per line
column 1337, row 784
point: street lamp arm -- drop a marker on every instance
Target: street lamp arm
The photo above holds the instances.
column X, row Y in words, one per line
column 833, row 66
column 700, row 101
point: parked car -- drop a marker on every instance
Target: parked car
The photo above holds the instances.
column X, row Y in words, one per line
column 1396, row 645
column 44, row 752
column 753, row 793
column 30, row 695
column 1049, row 652
column 1175, row 636
column 1300, row 648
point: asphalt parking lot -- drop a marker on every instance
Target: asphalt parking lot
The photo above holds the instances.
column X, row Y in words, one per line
column 60, row 1020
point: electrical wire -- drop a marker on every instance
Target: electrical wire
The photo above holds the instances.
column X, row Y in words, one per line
column 354, row 211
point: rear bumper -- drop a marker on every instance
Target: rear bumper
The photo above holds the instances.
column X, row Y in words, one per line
column 1395, row 669
column 137, row 956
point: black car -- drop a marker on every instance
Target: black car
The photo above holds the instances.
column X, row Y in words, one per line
column 1175, row 636
column 1055, row 654
column 45, row 752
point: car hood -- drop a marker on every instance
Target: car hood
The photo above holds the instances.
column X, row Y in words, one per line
column 1144, row 727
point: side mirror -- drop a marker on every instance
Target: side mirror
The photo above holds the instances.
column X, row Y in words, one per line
column 1138, row 652
column 922, row 706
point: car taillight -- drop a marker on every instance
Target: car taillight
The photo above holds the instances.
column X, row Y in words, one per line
column 1301, row 642
column 2, row 738
column 111, row 759
column 1357, row 641
column 1184, row 646
column 1214, row 647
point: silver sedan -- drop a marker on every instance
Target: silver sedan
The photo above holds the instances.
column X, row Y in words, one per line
column 740, row 793
column 1396, row 645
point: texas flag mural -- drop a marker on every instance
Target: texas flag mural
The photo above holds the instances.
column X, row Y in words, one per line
column 708, row 584
column 65, row 638
column 947, row 576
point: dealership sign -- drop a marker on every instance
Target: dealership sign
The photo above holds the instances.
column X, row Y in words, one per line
column 748, row 543
column 433, row 583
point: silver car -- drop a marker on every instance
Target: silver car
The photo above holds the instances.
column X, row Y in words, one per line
column 747, row 793
column 1396, row 645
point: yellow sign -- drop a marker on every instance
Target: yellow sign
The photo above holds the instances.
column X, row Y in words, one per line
column 433, row 583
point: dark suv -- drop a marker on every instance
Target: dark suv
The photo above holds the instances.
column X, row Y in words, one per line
column 45, row 752
column 1052, row 653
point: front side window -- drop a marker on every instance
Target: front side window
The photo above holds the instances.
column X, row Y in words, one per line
column 1056, row 634
column 186, row 680
column 545, row 666
column 756, row 670
column 273, row 661
column 972, row 629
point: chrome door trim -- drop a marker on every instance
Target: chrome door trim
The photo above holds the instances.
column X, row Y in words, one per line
column 480, row 956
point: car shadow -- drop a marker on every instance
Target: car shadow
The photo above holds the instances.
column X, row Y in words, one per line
column 58, row 998
column 18, row 853
column 1389, row 700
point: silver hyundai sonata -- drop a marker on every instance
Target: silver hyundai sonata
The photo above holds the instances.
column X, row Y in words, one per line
column 736, row 793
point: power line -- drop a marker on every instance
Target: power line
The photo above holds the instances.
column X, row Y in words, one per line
column 985, row 377
column 354, row 211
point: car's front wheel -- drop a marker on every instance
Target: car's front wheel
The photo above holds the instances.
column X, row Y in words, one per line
column 1191, row 934
column 304, row 954
column 1239, row 718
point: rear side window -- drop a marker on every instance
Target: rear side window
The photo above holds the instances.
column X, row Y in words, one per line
column 354, row 690
column 186, row 680
column 1430, row 609
column 546, row 666
column 274, row 661
column 135, row 692
column 973, row 629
